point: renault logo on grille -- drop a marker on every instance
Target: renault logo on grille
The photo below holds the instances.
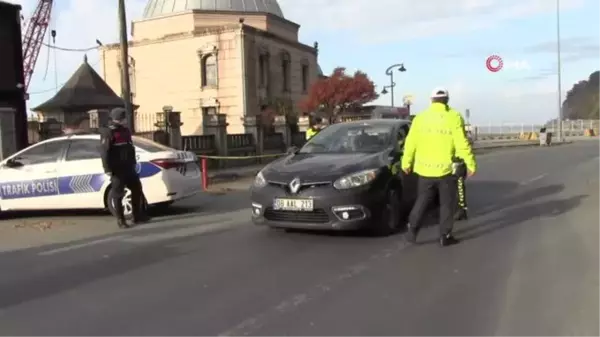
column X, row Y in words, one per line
column 295, row 185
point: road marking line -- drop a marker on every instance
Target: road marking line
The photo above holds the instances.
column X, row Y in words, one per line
column 252, row 324
column 184, row 232
column 81, row 245
column 529, row 181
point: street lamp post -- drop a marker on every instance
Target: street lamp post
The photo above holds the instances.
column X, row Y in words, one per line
column 559, row 73
column 390, row 72
column 390, row 87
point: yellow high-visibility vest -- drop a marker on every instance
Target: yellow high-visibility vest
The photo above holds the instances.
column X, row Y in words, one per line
column 436, row 137
column 311, row 132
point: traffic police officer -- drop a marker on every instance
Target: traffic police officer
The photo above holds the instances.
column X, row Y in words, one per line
column 316, row 124
column 119, row 161
column 435, row 138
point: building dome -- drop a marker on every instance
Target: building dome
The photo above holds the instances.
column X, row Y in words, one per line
column 156, row 8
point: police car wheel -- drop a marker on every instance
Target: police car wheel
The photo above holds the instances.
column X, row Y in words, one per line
column 127, row 205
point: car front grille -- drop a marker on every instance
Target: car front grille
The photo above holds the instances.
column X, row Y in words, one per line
column 305, row 186
column 316, row 216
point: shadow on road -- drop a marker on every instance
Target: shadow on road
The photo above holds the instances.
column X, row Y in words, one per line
column 191, row 211
column 71, row 277
column 204, row 204
column 509, row 208
column 487, row 197
column 520, row 214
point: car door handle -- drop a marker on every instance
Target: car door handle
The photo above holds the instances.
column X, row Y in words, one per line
column 50, row 171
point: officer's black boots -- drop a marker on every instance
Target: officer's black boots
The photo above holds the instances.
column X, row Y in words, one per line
column 461, row 214
column 411, row 234
column 122, row 223
column 448, row 240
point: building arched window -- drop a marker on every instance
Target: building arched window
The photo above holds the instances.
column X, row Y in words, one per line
column 209, row 70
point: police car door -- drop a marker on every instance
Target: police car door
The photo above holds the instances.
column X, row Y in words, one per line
column 82, row 174
column 29, row 180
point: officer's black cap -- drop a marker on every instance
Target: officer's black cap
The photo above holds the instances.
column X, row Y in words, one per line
column 118, row 114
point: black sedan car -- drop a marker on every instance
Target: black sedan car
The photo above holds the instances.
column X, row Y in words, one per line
column 344, row 178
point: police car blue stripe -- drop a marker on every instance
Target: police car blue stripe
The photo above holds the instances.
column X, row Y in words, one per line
column 146, row 169
column 85, row 183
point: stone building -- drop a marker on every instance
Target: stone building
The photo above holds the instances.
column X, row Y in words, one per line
column 210, row 57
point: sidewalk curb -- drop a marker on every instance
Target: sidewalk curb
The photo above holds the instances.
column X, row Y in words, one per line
column 226, row 177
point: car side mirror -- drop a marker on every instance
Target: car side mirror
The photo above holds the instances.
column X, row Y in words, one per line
column 13, row 163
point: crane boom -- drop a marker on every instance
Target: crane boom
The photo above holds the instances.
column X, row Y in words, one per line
column 34, row 37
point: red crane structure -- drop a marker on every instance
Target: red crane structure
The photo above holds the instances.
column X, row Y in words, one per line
column 34, row 37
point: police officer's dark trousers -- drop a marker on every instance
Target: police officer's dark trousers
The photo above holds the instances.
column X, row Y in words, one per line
column 426, row 192
column 129, row 180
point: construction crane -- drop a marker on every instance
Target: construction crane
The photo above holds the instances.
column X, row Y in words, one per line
column 34, row 37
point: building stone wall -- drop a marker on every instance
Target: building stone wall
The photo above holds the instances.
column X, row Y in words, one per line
column 166, row 53
column 257, row 43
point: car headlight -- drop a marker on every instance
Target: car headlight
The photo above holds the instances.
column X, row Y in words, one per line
column 356, row 179
column 259, row 180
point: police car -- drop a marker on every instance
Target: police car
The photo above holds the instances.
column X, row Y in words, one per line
column 66, row 173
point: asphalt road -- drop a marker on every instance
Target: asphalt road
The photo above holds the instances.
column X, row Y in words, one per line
column 528, row 265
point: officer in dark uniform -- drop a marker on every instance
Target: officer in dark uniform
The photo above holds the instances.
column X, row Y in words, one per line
column 119, row 161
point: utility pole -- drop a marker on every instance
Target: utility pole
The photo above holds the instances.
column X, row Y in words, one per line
column 559, row 74
column 125, row 83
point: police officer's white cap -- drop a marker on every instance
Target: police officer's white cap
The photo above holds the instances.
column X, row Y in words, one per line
column 440, row 92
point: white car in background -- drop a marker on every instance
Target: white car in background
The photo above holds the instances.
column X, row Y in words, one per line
column 66, row 173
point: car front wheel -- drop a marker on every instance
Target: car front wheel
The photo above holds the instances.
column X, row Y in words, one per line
column 389, row 220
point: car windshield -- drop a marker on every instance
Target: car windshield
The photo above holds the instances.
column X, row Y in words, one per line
column 149, row 145
column 346, row 138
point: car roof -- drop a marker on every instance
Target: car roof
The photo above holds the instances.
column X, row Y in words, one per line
column 77, row 135
column 72, row 136
column 377, row 122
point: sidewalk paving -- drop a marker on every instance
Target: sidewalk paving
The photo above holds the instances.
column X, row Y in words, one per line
column 234, row 173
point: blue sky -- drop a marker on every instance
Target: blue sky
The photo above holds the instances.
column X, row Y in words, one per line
column 441, row 43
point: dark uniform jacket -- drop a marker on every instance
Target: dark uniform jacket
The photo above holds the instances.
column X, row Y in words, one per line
column 118, row 152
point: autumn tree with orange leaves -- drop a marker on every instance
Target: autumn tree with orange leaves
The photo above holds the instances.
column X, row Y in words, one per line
column 339, row 93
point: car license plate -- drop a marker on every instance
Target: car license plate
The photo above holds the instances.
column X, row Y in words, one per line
column 299, row 205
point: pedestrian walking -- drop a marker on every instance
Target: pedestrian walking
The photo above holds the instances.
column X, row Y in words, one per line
column 436, row 138
column 119, row 161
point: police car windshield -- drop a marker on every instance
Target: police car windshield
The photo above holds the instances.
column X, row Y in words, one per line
column 148, row 145
column 347, row 138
